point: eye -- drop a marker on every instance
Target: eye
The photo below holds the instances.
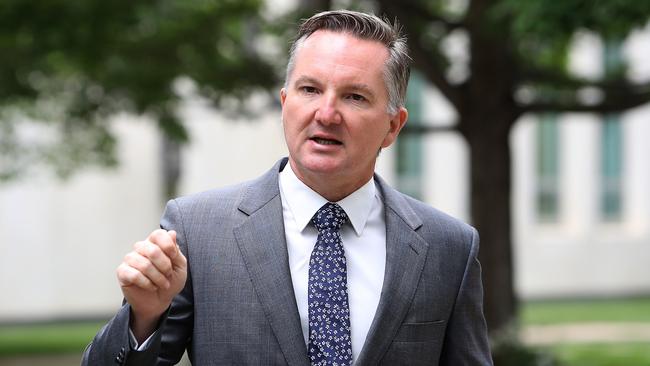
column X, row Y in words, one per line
column 308, row 89
column 357, row 97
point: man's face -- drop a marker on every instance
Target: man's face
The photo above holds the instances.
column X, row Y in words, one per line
column 334, row 111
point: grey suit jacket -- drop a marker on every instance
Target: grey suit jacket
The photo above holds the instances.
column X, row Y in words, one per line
column 238, row 305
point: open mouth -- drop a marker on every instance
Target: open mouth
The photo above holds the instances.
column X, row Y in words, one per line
column 323, row 141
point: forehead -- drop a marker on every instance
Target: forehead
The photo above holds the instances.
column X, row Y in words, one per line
column 340, row 54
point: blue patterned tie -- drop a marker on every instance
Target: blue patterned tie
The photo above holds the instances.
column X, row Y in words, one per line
column 329, row 313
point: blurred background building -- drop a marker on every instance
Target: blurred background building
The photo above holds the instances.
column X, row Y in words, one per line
column 581, row 199
column 581, row 195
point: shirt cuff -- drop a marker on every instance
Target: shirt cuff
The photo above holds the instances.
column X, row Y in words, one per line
column 134, row 342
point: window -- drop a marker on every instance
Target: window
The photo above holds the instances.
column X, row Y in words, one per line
column 547, row 168
column 409, row 146
column 611, row 142
column 610, row 168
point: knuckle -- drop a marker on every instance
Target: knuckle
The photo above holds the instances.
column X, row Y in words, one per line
column 162, row 267
column 137, row 262
column 127, row 276
column 158, row 234
column 167, row 265
column 129, row 258
column 122, row 273
column 145, row 267
column 151, row 251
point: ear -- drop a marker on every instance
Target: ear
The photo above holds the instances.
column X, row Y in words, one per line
column 396, row 123
column 283, row 96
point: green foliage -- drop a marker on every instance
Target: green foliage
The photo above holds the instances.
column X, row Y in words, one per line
column 75, row 63
column 559, row 19
column 542, row 30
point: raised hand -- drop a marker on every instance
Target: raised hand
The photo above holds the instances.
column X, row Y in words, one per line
column 150, row 276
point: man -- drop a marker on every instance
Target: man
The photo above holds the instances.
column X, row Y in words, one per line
column 318, row 261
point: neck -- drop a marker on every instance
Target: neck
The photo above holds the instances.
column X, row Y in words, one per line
column 331, row 187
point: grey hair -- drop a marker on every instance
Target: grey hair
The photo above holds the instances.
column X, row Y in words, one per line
column 368, row 27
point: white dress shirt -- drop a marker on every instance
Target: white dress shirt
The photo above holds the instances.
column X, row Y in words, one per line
column 364, row 241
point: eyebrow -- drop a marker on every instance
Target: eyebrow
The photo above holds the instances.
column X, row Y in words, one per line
column 307, row 80
column 363, row 88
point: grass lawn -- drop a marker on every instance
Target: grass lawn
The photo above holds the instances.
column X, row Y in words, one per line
column 608, row 354
column 585, row 311
column 557, row 312
column 46, row 338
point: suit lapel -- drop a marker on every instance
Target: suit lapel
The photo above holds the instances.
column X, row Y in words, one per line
column 262, row 243
column 261, row 240
column 406, row 253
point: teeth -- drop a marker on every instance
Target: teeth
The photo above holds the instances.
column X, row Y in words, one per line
column 325, row 141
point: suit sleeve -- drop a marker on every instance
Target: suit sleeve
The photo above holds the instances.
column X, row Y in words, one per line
column 112, row 344
column 466, row 340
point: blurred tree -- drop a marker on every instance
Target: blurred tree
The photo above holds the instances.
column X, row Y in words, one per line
column 73, row 64
column 516, row 64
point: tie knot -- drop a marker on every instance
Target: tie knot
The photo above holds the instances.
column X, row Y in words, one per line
column 330, row 216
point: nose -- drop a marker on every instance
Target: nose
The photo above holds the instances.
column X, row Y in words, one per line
column 327, row 112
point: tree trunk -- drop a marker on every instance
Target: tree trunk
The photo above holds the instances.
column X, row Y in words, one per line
column 170, row 159
column 490, row 208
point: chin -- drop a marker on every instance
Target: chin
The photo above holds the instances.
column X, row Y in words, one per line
column 319, row 165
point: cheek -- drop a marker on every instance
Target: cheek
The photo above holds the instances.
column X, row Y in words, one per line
column 374, row 134
column 292, row 131
column 294, row 116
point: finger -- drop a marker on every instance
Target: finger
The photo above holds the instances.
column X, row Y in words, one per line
column 164, row 240
column 155, row 254
column 147, row 268
column 173, row 235
column 179, row 261
column 128, row 276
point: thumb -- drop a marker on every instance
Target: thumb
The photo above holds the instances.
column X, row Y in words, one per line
column 178, row 259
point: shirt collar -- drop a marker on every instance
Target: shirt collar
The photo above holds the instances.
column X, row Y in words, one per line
column 304, row 202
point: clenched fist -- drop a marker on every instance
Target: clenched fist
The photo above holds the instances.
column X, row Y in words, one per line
column 150, row 276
